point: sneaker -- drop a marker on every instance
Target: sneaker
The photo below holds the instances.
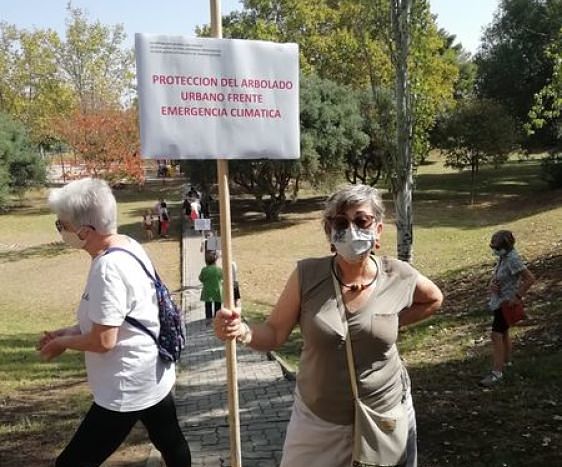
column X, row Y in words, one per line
column 491, row 379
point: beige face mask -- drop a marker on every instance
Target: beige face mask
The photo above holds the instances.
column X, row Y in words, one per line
column 72, row 239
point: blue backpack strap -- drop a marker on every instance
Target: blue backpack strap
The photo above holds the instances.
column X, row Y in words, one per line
column 156, row 280
column 142, row 327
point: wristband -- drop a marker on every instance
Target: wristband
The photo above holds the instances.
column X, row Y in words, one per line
column 246, row 337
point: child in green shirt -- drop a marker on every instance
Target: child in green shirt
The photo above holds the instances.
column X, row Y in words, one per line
column 211, row 278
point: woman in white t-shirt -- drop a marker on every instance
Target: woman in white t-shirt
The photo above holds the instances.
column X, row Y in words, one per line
column 128, row 379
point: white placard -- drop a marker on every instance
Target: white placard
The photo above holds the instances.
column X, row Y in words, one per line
column 213, row 243
column 202, row 224
column 205, row 98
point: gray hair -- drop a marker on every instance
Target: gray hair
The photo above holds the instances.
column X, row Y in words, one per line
column 88, row 201
column 350, row 196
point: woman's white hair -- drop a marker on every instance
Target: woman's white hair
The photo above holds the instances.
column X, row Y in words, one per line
column 88, row 201
column 349, row 196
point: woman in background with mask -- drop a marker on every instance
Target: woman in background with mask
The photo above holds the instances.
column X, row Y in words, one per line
column 128, row 379
column 379, row 294
column 510, row 281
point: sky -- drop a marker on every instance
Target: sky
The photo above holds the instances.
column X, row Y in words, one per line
column 464, row 18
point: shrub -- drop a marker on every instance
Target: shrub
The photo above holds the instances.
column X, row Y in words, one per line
column 551, row 170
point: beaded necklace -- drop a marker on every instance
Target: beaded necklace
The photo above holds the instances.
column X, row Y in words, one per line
column 354, row 287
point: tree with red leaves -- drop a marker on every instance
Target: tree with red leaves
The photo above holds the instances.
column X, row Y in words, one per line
column 107, row 142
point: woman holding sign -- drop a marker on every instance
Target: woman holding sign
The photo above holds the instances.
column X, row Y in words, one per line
column 349, row 307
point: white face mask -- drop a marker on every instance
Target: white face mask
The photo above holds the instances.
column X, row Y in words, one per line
column 72, row 239
column 352, row 243
column 497, row 252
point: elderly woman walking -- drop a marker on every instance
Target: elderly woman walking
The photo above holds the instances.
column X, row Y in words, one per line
column 349, row 307
column 128, row 379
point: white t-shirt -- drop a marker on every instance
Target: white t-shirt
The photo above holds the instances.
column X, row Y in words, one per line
column 158, row 208
column 131, row 376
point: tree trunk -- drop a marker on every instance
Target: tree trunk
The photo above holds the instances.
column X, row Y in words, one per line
column 473, row 169
column 402, row 179
column 62, row 167
column 404, row 223
column 272, row 208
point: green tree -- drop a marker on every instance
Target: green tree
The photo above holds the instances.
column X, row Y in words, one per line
column 454, row 53
column 513, row 63
column 351, row 42
column 476, row 133
column 8, row 50
column 331, row 132
column 547, row 107
column 20, row 164
column 377, row 107
column 42, row 94
column 401, row 169
column 94, row 63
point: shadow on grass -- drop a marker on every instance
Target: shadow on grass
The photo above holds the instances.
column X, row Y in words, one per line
column 517, row 423
column 40, row 417
column 514, row 191
column 513, row 424
column 48, row 250
column 247, row 219
column 136, row 230
column 19, row 361
column 26, row 210
column 172, row 189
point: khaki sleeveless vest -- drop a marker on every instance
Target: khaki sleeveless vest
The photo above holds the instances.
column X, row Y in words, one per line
column 323, row 377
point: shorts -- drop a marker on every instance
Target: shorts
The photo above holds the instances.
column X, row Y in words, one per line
column 499, row 324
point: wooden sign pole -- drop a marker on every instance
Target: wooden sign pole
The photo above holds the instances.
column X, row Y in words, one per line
column 230, row 345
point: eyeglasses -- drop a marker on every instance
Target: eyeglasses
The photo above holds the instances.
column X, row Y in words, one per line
column 60, row 226
column 362, row 221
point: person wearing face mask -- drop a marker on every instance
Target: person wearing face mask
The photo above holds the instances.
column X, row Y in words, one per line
column 352, row 292
column 128, row 379
column 510, row 281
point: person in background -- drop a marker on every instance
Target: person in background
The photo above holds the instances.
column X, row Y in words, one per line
column 128, row 379
column 157, row 208
column 510, row 281
column 164, row 219
column 206, row 200
column 379, row 294
column 147, row 224
column 186, row 209
column 195, row 212
column 236, row 286
column 209, row 243
column 211, row 278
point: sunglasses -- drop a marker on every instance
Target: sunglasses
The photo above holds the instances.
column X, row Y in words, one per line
column 361, row 221
column 60, row 226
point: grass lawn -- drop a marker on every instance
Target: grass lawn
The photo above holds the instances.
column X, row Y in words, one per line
column 41, row 286
column 516, row 424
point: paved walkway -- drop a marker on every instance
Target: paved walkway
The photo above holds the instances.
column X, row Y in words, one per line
column 265, row 394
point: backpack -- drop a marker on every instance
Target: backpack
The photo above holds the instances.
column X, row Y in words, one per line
column 171, row 340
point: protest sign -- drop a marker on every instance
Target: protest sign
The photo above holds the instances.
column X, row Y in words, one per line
column 203, row 98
